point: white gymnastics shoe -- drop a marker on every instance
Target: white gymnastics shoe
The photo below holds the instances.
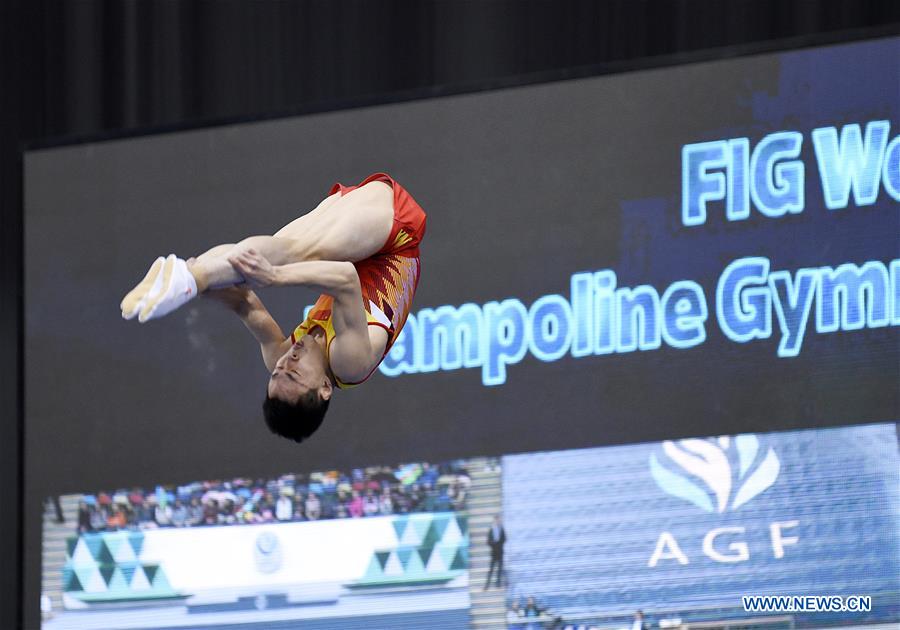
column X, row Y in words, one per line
column 149, row 287
column 178, row 288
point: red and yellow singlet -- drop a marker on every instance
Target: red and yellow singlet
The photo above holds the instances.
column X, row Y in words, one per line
column 388, row 279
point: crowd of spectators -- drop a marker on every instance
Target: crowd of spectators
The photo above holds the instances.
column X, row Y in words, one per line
column 366, row 492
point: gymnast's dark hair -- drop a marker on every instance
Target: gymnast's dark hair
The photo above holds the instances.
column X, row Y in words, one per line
column 295, row 421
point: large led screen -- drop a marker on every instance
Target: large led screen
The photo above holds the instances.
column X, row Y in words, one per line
column 702, row 250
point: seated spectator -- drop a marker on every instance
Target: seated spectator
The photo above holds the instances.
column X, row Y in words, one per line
column 460, row 491
column 227, row 513
column 247, row 515
column 266, row 503
column 313, row 507
column 429, row 475
column 131, row 519
column 149, row 512
column 532, row 610
column 358, row 478
column 514, row 616
column 330, row 502
column 211, row 512
column 179, row 514
column 401, row 503
column 163, row 515
column 98, row 518
column 195, row 513
column 385, row 504
column 414, row 497
column 136, row 498
column 370, row 503
column 116, row 519
column 430, row 499
column 355, row 507
column 284, row 508
column 142, row 511
column 84, row 518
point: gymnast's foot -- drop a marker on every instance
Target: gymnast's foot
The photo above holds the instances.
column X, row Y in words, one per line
column 178, row 286
column 149, row 286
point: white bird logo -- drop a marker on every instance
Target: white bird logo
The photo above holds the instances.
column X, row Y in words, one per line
column 708, row 461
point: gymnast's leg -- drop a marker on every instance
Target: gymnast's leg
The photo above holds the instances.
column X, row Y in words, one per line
column 346, row 228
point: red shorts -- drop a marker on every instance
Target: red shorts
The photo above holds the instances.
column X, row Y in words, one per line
column 409, row 218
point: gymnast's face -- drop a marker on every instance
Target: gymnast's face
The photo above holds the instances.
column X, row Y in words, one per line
column 304, row 367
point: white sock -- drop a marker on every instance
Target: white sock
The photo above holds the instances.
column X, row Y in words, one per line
column 149, row 295
column 179, row 287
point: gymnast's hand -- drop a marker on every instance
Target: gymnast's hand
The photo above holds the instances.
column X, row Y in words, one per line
column 254, row 267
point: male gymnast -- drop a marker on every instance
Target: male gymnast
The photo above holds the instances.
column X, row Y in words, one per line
column 359, row 248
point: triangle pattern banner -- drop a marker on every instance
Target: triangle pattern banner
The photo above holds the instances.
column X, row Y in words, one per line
column 128, row 569
column 160, row 581
column 411, row 536
column 103, row 555
column 400, row 526
column 393, row 568
column 123, row 552
column 83, row 555
column 404, row 555
column 452, row 535
column 108, row 564
column 437, row 563
column 107, row 570
column 140, row 582
column 118, row 582
column 459, row 561
column 95, row 582
column 440, row 524
column 427, row 545
column 414, row 567
column 93, row 542
column 113, row 541
column 136, row 539
column 375, row 570
column 150, row 570
column 431, row 536
column 71, row 582
column 447, row 554
column 421, row 523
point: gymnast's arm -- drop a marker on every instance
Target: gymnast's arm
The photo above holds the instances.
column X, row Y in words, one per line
column 249, row 308
column 357, row 347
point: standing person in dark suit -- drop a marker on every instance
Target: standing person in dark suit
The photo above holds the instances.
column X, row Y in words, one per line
column 496, row 539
